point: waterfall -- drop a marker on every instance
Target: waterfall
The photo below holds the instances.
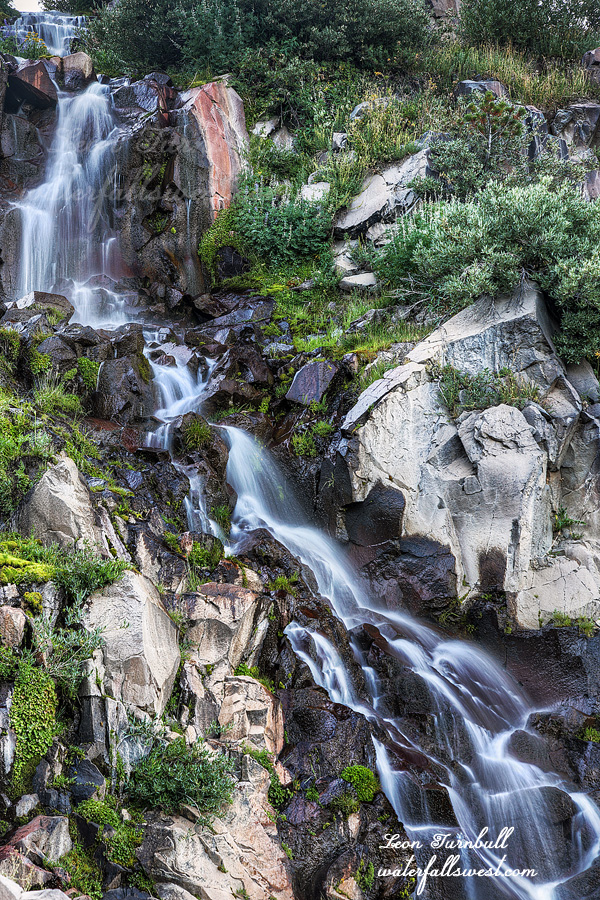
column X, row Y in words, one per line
column 477, row 708
column 68, row 242
column 55, row 29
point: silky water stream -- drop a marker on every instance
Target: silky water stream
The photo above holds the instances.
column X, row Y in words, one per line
column 69, row 244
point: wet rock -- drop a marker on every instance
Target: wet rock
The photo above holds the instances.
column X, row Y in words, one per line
column 77, row 71
column 58, row 510
column 32, row 83
column 12, row 626
column 88, row 783
column 141, row 654
column 311, row 382
column 124, row 392
column 188, row 163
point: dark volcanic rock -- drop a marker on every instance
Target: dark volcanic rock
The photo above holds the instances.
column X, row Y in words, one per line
column 311, row 382
column 33, row 84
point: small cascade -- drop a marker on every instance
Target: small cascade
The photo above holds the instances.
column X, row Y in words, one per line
column 477, row 707
column 68, row 242
column 54, row 28
column 180, row 392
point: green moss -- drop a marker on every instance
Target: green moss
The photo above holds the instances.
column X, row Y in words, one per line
column 33, row 719
column 363, row 781
column 33, row 600
column 222, row 233
column 16, row 570
column 144, row 368
column 88, row 369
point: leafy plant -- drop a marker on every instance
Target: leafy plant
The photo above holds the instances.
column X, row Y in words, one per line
column 51, row 396
column 450, row 254
column 175, row 773
column 33, row 719
column 254, row 672
column 88, row 369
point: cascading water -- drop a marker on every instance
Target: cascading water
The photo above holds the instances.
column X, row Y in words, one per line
column 180, row 392
column 55, row 29
column 68, row 243
column 478, row 707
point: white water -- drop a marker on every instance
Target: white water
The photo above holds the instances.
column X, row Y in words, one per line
column 68, row 243
column 477, row 706
column 55, row 29
column 179, row 392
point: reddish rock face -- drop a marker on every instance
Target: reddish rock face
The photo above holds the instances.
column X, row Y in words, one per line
column 219, row 113
column 32, row 83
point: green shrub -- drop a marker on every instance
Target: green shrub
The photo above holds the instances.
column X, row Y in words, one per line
column 9, row 662
column 83, row 871
column 81, row 572
column 33, row 719
column 566, row 29
column 88, row 369
column 99, row 812
column 172, row 774
column 213, row 35
column 591, row 734
column 277, row 227
column 450, row 254
column 363, row 781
